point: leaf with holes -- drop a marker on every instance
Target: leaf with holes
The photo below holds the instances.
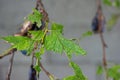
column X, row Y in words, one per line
column 37, row 35
column 35, row 17
column 57, row 43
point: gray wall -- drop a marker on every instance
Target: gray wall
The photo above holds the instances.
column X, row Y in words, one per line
column 76, row 16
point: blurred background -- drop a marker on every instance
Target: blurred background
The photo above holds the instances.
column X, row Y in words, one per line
column 76, row 16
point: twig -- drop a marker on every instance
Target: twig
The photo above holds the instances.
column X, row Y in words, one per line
column 10, row 67
column 8, row 52
column 104, row 46
column 46, row 72
column 104, row 56
column 40, row 7
column 32, row 61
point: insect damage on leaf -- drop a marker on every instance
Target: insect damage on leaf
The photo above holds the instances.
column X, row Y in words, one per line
column 57, row 43
column 35, row 17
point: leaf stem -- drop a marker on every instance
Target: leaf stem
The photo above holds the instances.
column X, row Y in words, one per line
column 10, row 67
column 46, row 72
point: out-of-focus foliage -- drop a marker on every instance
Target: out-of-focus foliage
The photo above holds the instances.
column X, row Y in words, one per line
column 114, row 17
column 86, row 34
column 112, row 21
column 114, row 3
column 99, row 70
column 112, row 71
column 78, row 73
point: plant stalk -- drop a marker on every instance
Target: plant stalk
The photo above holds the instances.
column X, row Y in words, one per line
column 10, row 67
column 101, row 19
column 8, row 52
column 46, row 72
column 104, row 60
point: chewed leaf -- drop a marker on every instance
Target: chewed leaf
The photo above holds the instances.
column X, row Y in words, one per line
column 36, row 16
column 36, row 35
column 57, row 43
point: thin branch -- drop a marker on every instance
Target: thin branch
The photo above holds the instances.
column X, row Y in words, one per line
column 8, row 52
column 40, row 7
column 32, row 61
column 101, row 18
column 104, row 52
column 104, row 56
column 46, row 72
column 10, row 67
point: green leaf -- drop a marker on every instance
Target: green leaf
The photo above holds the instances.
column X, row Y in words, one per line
column 71, row 78
column 114, row 72
column 78, row 73
column 58, row 27
column 37, row 68
column 57, row 43
column 107, row 2
column 19, row 42
column 37, row 35
column 42, row 50
column 112, row 21
column 38, row 54
column 86, row 34
column 115, row 3
column 99, row 70
column 36, row 16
